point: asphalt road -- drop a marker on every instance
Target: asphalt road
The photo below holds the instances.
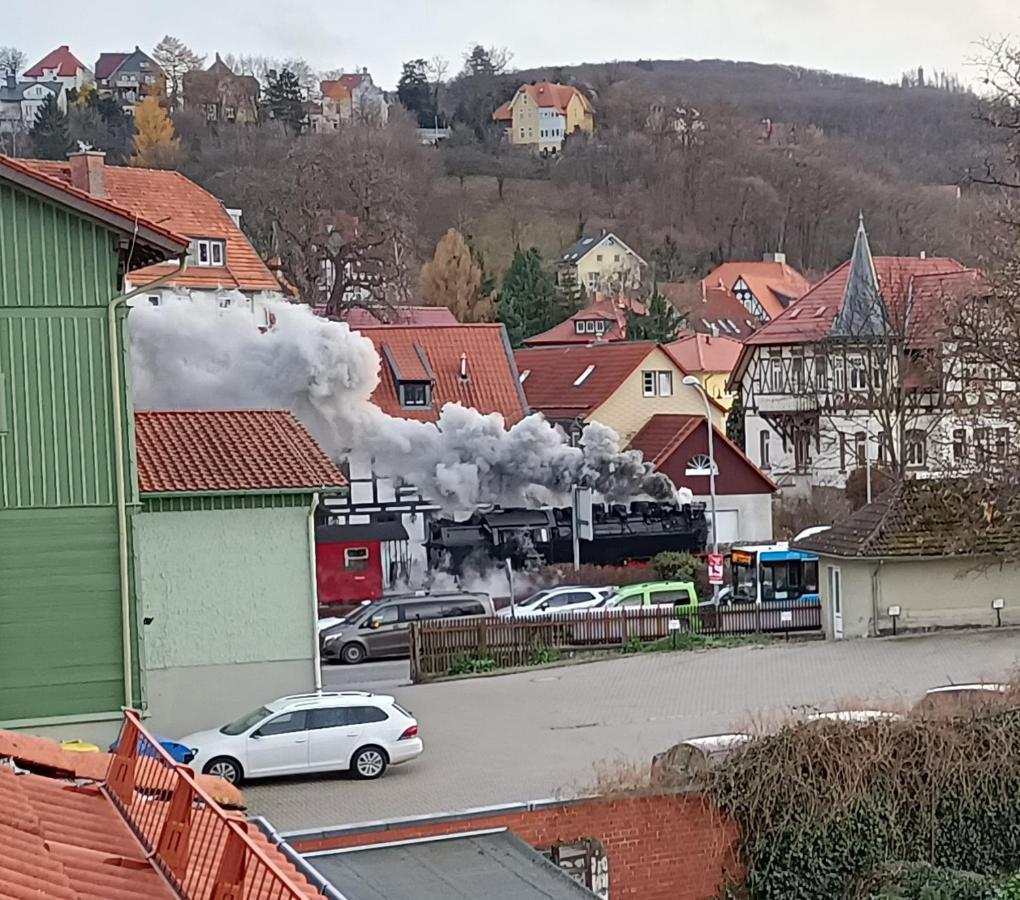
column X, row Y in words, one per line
column 537, row 734
column 373, row 676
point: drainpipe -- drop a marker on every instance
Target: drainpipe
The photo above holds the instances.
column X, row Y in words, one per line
column 876, row 588
column 119, row 467
column 316, row 657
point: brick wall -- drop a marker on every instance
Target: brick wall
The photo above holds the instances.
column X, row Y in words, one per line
column 663, row 847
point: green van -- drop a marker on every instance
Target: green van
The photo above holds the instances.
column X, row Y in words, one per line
column 680, row 594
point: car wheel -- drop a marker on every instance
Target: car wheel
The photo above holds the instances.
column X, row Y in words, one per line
column 352, row 654
column 369, row 762
column 224, row 767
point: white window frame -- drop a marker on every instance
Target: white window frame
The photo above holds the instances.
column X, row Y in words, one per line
column 764, row 450
column 915, row 440
column 664, row 383
column 649, row 382
column 213, row 250
column 858, row 374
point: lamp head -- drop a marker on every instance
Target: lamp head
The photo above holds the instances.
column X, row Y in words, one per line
column 691, row 381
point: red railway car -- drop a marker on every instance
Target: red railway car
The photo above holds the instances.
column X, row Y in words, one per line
column 349, row 560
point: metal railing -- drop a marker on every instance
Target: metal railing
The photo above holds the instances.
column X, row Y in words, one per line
column 443, row 646
column 204, row 852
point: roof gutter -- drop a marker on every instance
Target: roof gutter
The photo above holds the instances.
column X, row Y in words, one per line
column 310, row 873
column 116, row 385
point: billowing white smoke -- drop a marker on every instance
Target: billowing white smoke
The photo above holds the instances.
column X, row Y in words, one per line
column 193, row 355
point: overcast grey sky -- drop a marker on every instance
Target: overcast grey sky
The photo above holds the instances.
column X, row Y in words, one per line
column 872, row 38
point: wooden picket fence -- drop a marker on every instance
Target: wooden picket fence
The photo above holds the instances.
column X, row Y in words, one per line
column 441, row 645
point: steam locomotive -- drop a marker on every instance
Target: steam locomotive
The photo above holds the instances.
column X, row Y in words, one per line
column 533, row 537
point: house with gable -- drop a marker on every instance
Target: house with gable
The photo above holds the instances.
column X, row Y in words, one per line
column 223, row 266
column 622, row 385
column 60, row 65
column 423, row 368
column 541, row 115
column 222, row 95
column 854, row 373
column 20, row 102
column 129, row 77
column 603, row 263
column 736, row 298
column 604, row 319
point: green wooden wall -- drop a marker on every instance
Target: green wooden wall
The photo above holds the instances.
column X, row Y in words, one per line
column 60, row 609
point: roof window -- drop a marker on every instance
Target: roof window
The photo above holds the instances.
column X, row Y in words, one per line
column 524, row 375
column 584, row 376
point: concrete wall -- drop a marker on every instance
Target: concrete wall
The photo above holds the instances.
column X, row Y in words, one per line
column 749, row 514
column 230, row 596
column 627, row 410
column 664, row 847
column 941, row 593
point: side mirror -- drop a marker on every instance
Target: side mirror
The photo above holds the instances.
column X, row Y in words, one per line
column 254, row 736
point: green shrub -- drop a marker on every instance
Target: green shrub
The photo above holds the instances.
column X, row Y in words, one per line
column 540, row 655
column 671, row 565
column 471, row 665
column 921, row 881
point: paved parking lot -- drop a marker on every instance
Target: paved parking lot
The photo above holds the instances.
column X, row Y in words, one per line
column 533, row 735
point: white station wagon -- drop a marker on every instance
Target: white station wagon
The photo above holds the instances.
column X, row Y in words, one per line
column 321, row 732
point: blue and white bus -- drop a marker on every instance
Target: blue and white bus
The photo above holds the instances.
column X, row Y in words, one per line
column 773, row 573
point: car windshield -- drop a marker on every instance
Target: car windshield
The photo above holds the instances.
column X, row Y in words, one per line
column 245, row 722
column 535, row 598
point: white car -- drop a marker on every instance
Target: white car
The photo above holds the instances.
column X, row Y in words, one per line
column 321, row 732
column 563, row 599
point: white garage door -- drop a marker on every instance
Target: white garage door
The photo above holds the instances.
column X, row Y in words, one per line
column 729, row 525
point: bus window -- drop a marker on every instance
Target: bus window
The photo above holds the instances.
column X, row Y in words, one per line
column 775, row 581
column 745, row 582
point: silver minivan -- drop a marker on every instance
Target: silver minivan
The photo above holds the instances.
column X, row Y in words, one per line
column 381, row 630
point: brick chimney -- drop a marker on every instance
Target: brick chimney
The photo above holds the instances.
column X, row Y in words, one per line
column 88, row 171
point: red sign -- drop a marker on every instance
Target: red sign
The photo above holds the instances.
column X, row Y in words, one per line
column 715, row 568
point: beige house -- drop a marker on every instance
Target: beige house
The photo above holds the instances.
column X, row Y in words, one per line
column 927, row 554
column 603, row 263
column 541, row 115
column 621, row 385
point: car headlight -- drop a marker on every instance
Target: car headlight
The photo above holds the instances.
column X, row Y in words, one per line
column 329, row 638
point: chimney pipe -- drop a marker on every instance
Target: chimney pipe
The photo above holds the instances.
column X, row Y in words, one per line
column 924, row 254
column 88, row 171
column 463, row 367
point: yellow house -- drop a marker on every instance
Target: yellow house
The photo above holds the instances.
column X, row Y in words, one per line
column 621, row 385
column 542, row 114
column 711, row 358
column 603, row 263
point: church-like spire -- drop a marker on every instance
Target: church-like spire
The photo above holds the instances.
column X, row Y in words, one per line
column 863, row 313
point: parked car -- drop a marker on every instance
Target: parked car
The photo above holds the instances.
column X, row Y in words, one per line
column 858, row 716
column 382, row 629
column 960, row 699
column 685, row 763
column 321, row 732
column 682, row 595
column 553, row 601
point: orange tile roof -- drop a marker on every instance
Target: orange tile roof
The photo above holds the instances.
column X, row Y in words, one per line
column 240, row 450
column 704, row 353
column 610, row 308
column 335, row 90
column 177, row 203
column 491, row 386
column 774, row 284
column 425, row 316
column 550, row 387
column 547, row 95
column 69, row 842
column 710, row 310
column 110, row 212
column 61, row 59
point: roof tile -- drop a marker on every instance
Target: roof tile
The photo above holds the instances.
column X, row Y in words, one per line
column 177, row 203
column 62, row 59
column 491, row 386
column 704, row 353
column 238, row 450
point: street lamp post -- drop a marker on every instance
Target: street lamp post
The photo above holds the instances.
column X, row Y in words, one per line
column 692, row 381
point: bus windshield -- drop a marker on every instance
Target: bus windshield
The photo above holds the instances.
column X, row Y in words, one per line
column 773, row 575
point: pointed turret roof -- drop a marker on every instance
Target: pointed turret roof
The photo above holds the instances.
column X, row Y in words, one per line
column 863, row 312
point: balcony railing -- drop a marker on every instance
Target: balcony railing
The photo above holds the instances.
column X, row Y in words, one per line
column 204, row 852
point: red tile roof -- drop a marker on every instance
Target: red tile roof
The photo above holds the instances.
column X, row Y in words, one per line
column 491, row 386
column 68, row 842
column 160, row 242
column 423, row 316
column 61, row 59
column 810, row 318
column 774, row 284
column 550, row 387
column 664, row 434
column 546, row 94
column 703, row 353
column 710, row 310
column 612, row 309
column 241, row 450
column 179, row 204
column 335, row 90
column 108, row 63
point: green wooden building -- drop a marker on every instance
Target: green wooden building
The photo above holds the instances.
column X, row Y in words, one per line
column 68, row 651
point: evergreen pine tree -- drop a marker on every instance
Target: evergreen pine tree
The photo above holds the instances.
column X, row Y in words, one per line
column 50, row 134
column 660, row 323
column 571, row 292
column 283, row 99
column 735, row 423
column 415, row 92
column 528, row 303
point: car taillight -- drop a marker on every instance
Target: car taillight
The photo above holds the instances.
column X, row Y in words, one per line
column 411, row 732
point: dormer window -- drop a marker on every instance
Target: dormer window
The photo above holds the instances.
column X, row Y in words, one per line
column 415, row 394
column 579, row 326
column 207, row 252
